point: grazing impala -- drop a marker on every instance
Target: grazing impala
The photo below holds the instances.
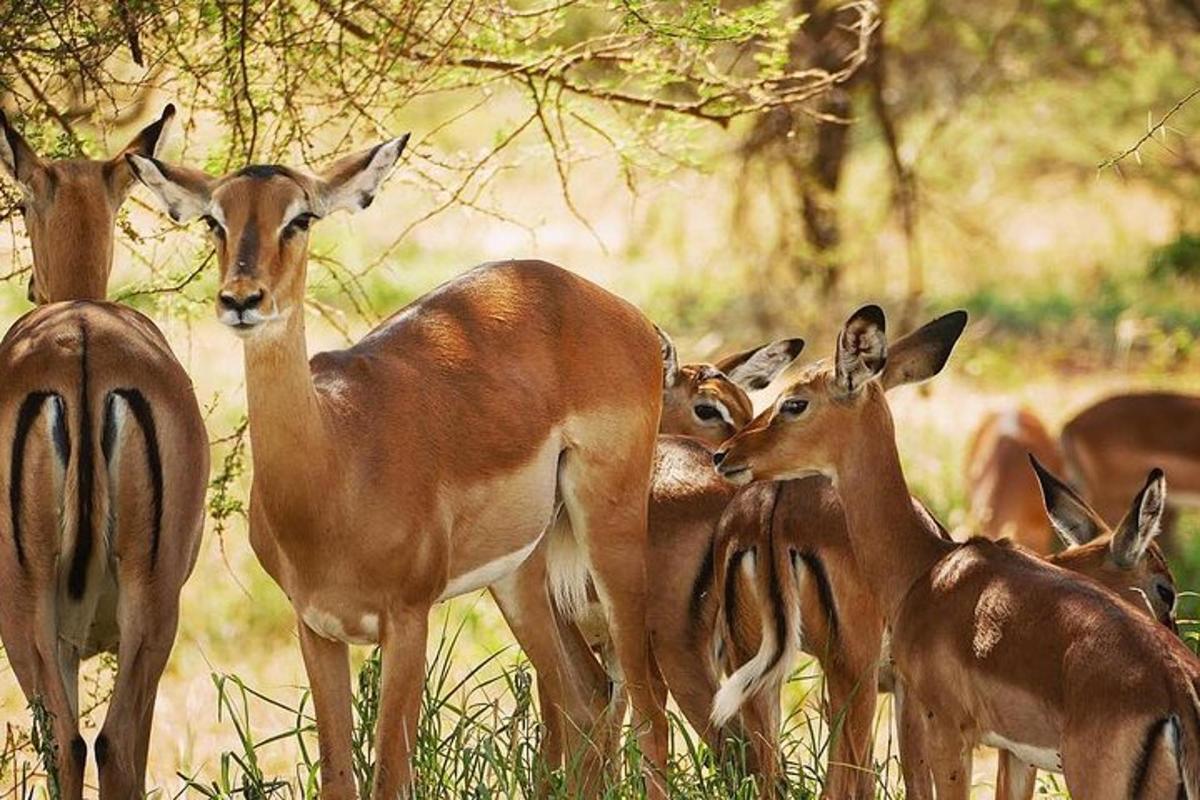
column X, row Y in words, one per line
column 1109, row 446
column 431, row 458
column 995, row 646
column 105, row 478
column 1003, row 492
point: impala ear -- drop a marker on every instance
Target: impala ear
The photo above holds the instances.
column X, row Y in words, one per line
column 185, row 193
column 670, row 359
column 17, row 157
column 351, row 182
column 861, row 349
column 1142, row 523
column 1073, row 519
column 757, row 367
column 923, row 353
column 148, row 143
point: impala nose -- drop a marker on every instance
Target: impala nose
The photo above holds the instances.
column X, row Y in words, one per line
column 718, row 457
column 232, row 302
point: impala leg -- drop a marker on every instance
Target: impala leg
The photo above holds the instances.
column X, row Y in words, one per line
column 35, row 658
column 609, row 516
column 147, row 626
column 328, row 666
column 571, row 685
column 1014, row 778
column 760, row 719
column 404, row 639
column 852, row 695
column 952, row 757
column 915, row 763
column 687, row 667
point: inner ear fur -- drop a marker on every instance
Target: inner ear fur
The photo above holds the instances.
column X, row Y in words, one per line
column 862, row 349
column 755, row 368
column 1071, row 517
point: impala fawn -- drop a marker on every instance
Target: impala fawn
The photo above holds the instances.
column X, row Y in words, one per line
column 993, row 645
column 105, row 480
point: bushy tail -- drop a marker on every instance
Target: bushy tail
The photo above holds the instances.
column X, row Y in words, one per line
column 775, row 580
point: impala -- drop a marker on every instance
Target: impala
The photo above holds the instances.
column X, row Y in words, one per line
column 429, row 459
column 993, row 644
column 1110, row 445
column 1002, row 491
column 106, row 473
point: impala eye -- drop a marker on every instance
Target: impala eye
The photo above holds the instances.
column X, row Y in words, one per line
column 214, row 227
column 793, row 407
column 706, row 413
column 1167, row 594
column 300, row 223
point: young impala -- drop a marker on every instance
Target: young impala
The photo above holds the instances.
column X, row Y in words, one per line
column 994, row 645
column 703, row 405
column 429, row 459
column 105, row 477
column 1110, row 445
column 1003, row 492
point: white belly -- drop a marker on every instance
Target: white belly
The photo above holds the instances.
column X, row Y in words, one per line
column 487, row 574
column 1044, row 758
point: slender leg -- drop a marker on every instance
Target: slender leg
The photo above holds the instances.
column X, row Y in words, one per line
column 606, row 502
column 404, row 639
column 328, row 666
column 148, row 626
column 852, row 695
column 1014, row 778
column 952, row 760
column 760, row 718
column 571, row 685
column 915, row 759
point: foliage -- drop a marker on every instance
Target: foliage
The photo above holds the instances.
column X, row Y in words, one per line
column 1180, row 258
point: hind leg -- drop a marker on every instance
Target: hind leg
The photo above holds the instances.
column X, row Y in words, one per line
column 605, row 492
column 571, row 686
column 32, row 647
column 852, row 693
column 1015, row 779
column 148, row 624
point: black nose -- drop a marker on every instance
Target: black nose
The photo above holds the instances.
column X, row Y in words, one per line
column 246, row 303
column 718, row 457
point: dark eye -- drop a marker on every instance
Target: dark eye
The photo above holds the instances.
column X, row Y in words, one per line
column 793, row 407
column 706, row 412
column 214, row 227
column 299, row 223
column 1167, row 594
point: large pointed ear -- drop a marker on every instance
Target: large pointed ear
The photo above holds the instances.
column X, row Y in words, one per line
column 148, row 143
column 351, row 182
column 757, row 367
column 1142, row 523
column 921, row 354
column 861, row 349
column 1073, row 519
column 17, row 157
column 185, row 193
column 670, row 359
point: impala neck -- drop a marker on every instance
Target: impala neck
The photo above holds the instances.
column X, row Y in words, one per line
column 287, row 434
column 891, row 543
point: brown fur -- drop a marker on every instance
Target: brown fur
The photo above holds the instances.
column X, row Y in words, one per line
column 1004, row 497
column 986, row 638
column 129, row 576
column 442, row 442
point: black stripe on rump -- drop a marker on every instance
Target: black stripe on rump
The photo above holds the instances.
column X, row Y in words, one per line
column 85, row 502
column 30, row 407
column 145, row 420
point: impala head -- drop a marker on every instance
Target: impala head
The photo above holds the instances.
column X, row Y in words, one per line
column 70, row 210
column 1126, row 560
column 258, row 218
column 709, row 402
column 815, row 420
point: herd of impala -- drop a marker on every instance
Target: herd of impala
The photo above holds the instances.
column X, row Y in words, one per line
column 522, row 430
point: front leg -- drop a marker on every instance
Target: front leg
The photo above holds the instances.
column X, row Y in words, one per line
column 328, row 665
column 403, row 642
column 1015, row 779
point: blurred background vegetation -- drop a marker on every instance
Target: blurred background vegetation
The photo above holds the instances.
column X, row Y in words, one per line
column 741, row 170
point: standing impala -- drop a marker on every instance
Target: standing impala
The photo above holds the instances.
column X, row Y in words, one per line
column 104, row 501
column 996, row 646
column 429, row 459
column 1003, row 492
